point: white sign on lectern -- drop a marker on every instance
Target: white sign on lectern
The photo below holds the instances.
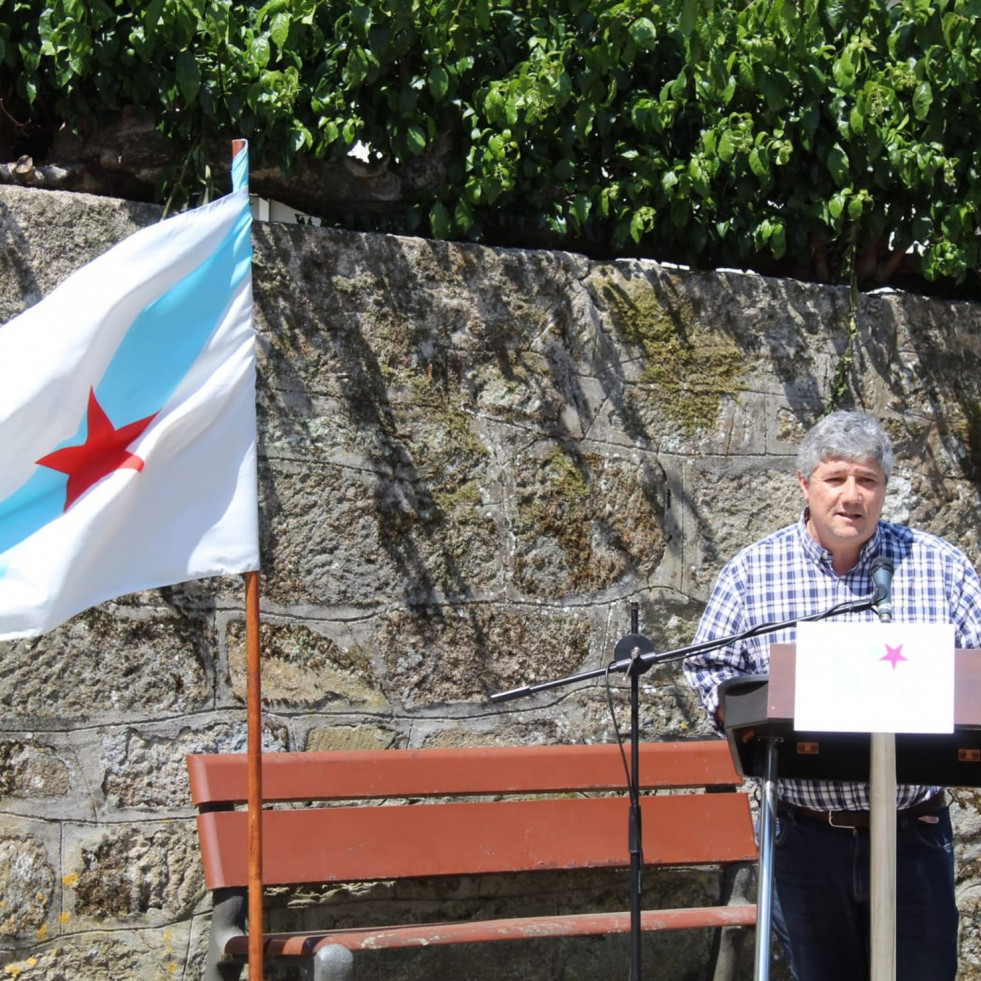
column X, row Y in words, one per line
column 874, row 677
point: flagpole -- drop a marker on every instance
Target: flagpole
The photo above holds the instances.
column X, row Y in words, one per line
column 253, row 701
column 253, row 716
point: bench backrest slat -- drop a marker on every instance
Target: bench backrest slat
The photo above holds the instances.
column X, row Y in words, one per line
column 459, row 772
column 334, row 844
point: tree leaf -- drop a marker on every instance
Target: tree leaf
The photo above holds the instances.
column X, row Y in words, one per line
column 260, row 51
column 439, row 220
column 726, row 146
column 922, row 100
column 188, row 76
column 439, row 81
column 689, row 17
column 838, row 165
column 415, row 138
column 643, row 33
column 279, row 29
column 778, row 240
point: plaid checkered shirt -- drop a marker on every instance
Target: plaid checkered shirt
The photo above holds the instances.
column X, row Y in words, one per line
column 788, row 576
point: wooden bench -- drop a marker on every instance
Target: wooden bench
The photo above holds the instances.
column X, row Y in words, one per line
column 525, row 808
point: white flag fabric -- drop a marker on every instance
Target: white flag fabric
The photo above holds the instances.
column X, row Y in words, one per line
column 127, row 421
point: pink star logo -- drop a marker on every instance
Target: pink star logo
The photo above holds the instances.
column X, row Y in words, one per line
column 894, row 655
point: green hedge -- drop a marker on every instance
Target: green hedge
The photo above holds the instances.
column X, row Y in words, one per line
column 820, row 138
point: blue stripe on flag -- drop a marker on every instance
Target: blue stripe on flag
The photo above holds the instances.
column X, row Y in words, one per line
column 150, row 362
column 169, row 334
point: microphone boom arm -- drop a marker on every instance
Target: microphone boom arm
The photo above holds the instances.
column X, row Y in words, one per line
column 645, row 661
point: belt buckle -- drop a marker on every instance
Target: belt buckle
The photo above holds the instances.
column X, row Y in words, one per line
column 840, row 827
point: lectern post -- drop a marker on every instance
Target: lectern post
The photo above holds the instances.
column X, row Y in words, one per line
column 764, row 892
column 882, row 856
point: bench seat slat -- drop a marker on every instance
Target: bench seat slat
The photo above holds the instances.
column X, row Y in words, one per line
column 365, row 774
column 348, row 844
column 484, row 931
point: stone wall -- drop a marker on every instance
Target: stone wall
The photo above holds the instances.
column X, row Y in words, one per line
column 471, row 462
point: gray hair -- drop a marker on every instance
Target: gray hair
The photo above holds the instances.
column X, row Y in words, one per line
column 851, row 436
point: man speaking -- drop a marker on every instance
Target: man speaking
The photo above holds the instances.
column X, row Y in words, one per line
column 821, row 909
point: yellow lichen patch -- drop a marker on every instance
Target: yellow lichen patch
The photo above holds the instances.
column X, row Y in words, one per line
column 70, row 880
column 690, row 367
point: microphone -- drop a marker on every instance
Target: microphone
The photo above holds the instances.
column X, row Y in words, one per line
column 882, row 580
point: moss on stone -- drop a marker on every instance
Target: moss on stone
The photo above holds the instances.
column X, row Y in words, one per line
column 302, row 667
column 690, row 368
column 459, row 503
column 580, row 526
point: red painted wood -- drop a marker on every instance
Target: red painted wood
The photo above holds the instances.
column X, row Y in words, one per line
column 459, row 772
column 403, row 841
column 582, row 823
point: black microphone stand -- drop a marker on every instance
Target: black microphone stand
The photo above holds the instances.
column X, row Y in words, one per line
column 628, row 650
column 635, row 654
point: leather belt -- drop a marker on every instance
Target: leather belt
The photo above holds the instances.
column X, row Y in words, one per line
column 860, row 819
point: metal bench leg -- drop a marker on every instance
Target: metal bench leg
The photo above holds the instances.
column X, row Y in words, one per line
column 737, row 882
column 227, row 920
column 332, row 962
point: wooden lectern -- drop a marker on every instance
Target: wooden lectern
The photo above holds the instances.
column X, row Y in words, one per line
column 765, row 704
column 759, row 723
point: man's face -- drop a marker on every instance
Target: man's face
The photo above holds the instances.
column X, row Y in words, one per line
column 845, row 501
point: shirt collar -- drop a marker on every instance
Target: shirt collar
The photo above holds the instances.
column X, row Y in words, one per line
column 819, row 555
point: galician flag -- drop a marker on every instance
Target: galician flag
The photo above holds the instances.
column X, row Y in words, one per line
column 127, row 421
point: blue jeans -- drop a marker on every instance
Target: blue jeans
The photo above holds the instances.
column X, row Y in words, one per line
column 821, row 900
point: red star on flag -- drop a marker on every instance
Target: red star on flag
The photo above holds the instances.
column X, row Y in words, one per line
column 103, row 452
column 894, row 655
